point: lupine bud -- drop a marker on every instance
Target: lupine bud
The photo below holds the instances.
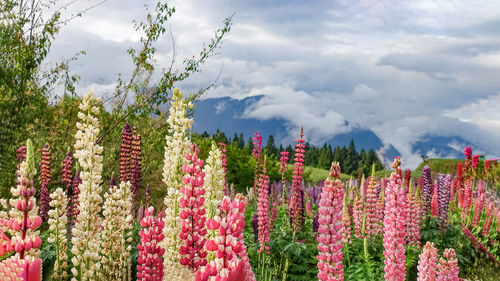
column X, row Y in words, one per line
column 448, row 266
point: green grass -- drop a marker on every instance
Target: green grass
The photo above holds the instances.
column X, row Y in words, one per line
column 444, row 166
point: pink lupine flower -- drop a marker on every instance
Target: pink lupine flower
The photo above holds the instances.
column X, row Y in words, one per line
column 346, row 222
column 263, row 209
column 371, row 206
column 14, row 268
column 478, row 203
column 434, row 202
column 125, row 153
column 44, row 180
column 150, row 260
column 308, row 208
column 415, row 219
column 330, row 227
column 193, row 254
column 226, row 245
column 487, row 222
column 468, row 152
column 67, row 179
column 395, row 217
column 296, row 200
column 475, row 162
column 358, row 212
column 448, row 266
column 427, row 263
column 24, row 222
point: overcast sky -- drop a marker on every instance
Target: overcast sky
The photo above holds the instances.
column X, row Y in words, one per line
column 403, row 69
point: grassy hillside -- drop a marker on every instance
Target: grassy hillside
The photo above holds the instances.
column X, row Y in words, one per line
column 444, row 166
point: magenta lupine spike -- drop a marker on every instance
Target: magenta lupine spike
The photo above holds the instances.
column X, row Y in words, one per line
column 67, row 179
column 263, row 209
column 426, row 189
column 330, row 227
column 394, row 227
column 193, row 231
column 274, row 214
column 358, row 212
column 76, row 192
column 296, row 200
column 44, row 180
column 150, row 260
column 135, row 165
column 407, row 179
column 371, row 206
column 443, row 188
column 227, row 245
column 427, row 263
column 21, row 153
column 125, row 154
column 448, row 266
column 475, row 162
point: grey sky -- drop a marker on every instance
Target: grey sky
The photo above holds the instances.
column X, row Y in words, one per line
column 403, row 69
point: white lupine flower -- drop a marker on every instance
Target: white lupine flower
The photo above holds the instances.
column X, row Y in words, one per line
column 177, row 144
column 116, row 234
column 58, row 221
column 86, row 232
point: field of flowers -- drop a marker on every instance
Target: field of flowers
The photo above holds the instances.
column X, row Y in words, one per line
column 431, row 227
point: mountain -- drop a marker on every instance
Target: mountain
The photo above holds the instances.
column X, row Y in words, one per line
column 226, row 114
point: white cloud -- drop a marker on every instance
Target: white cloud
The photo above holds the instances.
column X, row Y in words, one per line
column 403, row 69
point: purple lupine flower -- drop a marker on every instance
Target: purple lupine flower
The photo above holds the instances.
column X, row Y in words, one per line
column 426, row 188
column 443, row 186
column 315, row 222
column 255, row 226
